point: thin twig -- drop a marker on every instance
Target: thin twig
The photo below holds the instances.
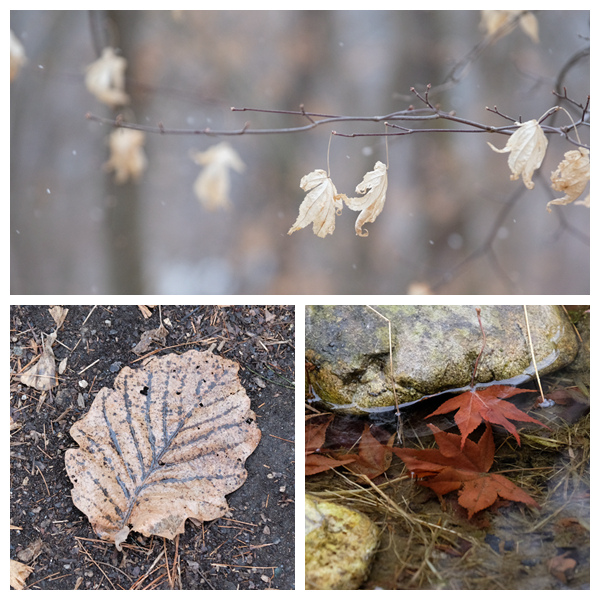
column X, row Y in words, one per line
column 533, row 354
column 399, row 428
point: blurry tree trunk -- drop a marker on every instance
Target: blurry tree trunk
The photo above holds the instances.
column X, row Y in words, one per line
column 123, row 238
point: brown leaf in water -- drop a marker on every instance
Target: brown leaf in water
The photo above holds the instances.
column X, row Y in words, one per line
column 166, row 444
column 314, row 438
column 374, row 458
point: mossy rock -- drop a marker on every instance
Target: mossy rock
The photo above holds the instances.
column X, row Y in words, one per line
column 340, row 544
column 434, row 349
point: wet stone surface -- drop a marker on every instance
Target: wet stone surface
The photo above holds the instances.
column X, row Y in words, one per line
column 434, row 349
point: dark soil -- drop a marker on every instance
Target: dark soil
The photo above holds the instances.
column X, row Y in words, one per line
column 250, row 548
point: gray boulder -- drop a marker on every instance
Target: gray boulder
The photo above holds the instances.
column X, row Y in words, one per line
column 434, row 349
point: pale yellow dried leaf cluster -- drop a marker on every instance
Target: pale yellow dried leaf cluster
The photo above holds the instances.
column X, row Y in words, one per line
column 527, row 147
column 322, row 202
column 17, row 55
column 572, row 177
column 105, row 78
column 127, row 158
column 492, row 20
column 213, row 185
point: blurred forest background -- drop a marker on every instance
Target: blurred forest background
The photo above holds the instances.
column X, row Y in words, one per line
column 453, row 222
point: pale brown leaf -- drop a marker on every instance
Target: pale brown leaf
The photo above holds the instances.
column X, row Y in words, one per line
column 127, row 158
column 493, row 20
column 58, row 313
column 18, row 574
column 158, row 336
column 213, row 185
column 42, row 374
column 571, row 177
column 17, row 55
column 105, row 78
column 320, row 205
column 527, row 147
column 145, row 310
column 166, row 444
column 374, row 188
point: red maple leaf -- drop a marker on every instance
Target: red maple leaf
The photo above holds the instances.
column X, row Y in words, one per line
column 486, row 404
column 462, row 465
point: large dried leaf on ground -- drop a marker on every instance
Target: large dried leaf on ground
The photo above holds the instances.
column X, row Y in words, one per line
column 527, row 147
column 321, row 204
column 166, row 444
column 374, row 187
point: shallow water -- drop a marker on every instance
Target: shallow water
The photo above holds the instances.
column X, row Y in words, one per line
column 428, row 544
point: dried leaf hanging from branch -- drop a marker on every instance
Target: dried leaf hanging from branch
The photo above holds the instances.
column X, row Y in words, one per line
column 374, row 187
column 571, row 177
column 166, row 444
column 527, row 147
column 213, row 185
column 105, row 78
column 320, row 206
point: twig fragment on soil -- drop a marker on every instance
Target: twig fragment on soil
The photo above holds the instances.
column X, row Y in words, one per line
column 82, row 548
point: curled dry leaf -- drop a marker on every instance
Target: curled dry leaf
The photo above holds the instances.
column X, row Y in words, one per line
column 374, row 186
column 527, row 147
column 214, row 183
column 493, row 20
column 166, row 444
column 127, row 158
column 42, row 375
column 158, row 335
column 320, row 206
column 18, row 574
column 571, row 177
column 58, row 313
column 17, row 55
column 105, row 78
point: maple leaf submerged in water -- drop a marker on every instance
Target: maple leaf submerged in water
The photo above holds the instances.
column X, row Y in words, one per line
column 486, row 404
column 463, row 466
